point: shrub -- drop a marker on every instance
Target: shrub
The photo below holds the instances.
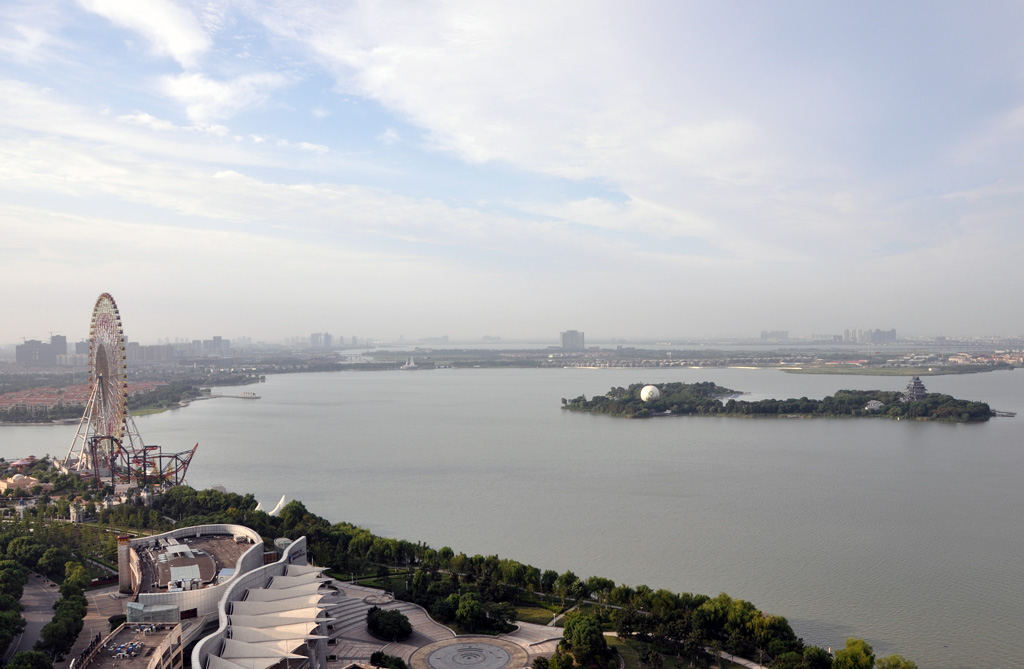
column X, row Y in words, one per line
column 389, row 625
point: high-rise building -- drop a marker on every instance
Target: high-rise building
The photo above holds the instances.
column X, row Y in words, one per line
column 315, row 339
column 59, row 343
column 572, row 340
column 776, row 335
column 328, row 340
column 31, row 352
column 37, row 354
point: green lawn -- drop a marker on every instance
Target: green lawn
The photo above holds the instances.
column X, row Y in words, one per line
column 537, row 615
column 626, row 652
column 629, row 650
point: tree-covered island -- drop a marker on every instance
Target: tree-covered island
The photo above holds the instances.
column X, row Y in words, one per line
column 710, row 399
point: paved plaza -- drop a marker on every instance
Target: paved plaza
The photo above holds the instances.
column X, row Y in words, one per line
column 432, row 645
column 470, row 653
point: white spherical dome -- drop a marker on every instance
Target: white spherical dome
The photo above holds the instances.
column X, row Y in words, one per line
column 650, row 393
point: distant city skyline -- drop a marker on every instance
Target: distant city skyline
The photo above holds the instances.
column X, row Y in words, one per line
column 572, row 340
column 644, row 170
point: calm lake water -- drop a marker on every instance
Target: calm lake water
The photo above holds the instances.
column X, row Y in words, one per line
column 907, row 534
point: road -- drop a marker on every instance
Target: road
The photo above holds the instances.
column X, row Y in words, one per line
column 38, row 599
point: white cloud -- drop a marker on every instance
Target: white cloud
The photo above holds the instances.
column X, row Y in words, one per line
column 148, row 121
column 31, row 113
column 170, row 29
column 389, row 137
column 207, row 99
column 26, row 43
column 778, row 150
column 313, row 148
column 993, row 138
column 153, row 123
column 704, row 160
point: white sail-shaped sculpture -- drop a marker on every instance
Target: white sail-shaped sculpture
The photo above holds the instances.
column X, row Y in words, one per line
column 277, row 509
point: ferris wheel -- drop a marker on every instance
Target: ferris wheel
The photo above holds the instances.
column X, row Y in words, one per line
column 107, row 442
column 108, row 372
column 101, row 431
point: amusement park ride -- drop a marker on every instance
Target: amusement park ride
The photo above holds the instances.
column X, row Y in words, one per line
column 107, row 444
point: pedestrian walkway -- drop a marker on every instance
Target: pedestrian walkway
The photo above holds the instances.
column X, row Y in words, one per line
column 554, row 621
column 537, row 640
column 735, row 659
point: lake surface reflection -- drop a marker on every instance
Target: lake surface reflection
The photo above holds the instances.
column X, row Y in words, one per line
column 907, row 534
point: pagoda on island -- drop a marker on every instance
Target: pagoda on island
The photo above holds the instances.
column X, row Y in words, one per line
column 915, row 391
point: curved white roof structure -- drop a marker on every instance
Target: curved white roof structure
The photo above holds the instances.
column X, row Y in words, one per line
column 269, row 615
column 277, row 509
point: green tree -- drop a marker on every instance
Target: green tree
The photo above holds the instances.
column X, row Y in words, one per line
column 626, row 622
column 601, row 586
column 563, row 585
column 895, row 662
column 52, row 562
column 11, row 622
column 391, row 625
column 585, row 639
column 501, row 615
column 29, row 659
column 856, row 655
column 420, row 582
column 380, row 659
column 651, row 659
column 560, row 661
column 816, row 657
column 26, row 550
column 470, row 613
column 547, row 580
column 790, row 660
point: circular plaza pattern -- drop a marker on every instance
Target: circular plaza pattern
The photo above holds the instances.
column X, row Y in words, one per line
column 461, row 653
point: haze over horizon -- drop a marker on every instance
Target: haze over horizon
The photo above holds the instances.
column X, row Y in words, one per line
column 649, row 170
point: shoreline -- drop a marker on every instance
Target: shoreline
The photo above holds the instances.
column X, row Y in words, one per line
column 817, row 371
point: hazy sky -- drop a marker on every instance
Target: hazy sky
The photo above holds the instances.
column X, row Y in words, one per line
column 274, row 168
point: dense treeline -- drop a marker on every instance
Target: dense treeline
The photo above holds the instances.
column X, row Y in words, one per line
column 677, row 398
column 24, row 551
column 682, row 399
column 165, row 396
column 13, row 577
